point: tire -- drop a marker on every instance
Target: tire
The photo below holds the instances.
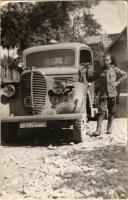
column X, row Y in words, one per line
column 79, row 130
column 8, row 132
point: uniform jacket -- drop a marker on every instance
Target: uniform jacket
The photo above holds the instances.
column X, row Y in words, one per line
column 107, row 77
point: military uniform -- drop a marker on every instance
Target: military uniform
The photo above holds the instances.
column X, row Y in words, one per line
column 107, row 77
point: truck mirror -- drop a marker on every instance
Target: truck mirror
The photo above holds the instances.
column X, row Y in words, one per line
column 84, row 65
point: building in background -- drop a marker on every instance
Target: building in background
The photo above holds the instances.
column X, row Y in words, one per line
column 118, row 49
column 100, row 43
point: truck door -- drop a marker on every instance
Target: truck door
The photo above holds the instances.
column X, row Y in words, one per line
column 86, row 59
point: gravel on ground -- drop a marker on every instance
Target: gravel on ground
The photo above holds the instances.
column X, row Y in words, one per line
column 95, row 169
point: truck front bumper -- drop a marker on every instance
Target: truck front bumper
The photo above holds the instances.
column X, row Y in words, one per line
column 40, row 118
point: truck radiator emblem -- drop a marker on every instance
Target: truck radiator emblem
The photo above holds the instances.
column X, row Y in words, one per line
column 28, row 101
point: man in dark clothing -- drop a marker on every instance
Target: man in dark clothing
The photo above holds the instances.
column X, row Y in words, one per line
column 108, row 82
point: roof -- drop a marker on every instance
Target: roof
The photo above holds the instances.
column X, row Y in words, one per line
column 93, row 39
column 55, row 46
column 105, row 39
column 113, row 36
column 118, row 37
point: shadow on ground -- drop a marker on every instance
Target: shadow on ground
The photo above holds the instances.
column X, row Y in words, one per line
column 103, row 173
column 42, row 137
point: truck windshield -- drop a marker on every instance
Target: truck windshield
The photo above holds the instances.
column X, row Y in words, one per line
column 51, row 58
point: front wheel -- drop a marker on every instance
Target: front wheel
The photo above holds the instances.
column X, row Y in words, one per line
column 79, row 130
column 8, row 132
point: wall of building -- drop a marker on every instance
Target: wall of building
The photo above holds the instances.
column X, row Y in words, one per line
column 119, row 51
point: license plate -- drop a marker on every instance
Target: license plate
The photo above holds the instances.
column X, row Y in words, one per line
column 33, row 124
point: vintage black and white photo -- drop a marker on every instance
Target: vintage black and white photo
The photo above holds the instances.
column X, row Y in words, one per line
column 64, row 92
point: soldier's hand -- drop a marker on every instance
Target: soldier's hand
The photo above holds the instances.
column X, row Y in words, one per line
column 89, row 84
column 116, row 83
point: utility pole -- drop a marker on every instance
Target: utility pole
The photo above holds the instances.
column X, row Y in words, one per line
column 74, row 30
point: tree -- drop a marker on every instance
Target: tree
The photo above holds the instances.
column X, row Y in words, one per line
column 27, row 24
column 15, row 29
column 84, row 26
column 48, row 20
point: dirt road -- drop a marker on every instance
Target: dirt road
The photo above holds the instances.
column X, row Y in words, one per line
column 39, row 167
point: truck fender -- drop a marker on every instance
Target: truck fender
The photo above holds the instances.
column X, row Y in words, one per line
column 5, row 110
column 79, row 95
column 74, row 106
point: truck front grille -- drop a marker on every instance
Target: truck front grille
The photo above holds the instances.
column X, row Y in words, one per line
column 33, row 92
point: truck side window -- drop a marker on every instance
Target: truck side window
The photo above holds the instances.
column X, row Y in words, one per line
column 85, row 57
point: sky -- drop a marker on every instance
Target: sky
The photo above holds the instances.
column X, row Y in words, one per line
column 112, row 15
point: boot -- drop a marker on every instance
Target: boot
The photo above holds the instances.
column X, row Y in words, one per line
column 99, row 123
column 109, row 125
column 97, row 132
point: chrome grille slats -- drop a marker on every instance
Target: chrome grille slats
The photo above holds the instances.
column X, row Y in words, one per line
column 26, row 91
column 33, row 92
column 39, row 92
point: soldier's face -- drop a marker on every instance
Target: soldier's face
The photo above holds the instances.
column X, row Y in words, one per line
column 107, row 61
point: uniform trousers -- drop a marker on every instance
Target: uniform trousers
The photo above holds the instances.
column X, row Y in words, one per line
column 106, row 104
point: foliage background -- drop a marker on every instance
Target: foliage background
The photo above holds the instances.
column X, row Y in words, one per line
column 27, row 24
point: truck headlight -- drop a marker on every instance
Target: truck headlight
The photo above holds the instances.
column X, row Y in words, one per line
column 9, row 90
column 58, row 87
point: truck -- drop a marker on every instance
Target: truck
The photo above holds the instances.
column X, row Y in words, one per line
column 52, row 91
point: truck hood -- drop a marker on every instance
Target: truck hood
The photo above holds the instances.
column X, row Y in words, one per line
column 57, row 70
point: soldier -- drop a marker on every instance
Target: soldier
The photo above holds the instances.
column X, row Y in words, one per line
column 16, row 61
column 108, row 82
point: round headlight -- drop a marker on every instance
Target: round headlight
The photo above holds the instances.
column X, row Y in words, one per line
column 58, row 87
column 9, row 90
